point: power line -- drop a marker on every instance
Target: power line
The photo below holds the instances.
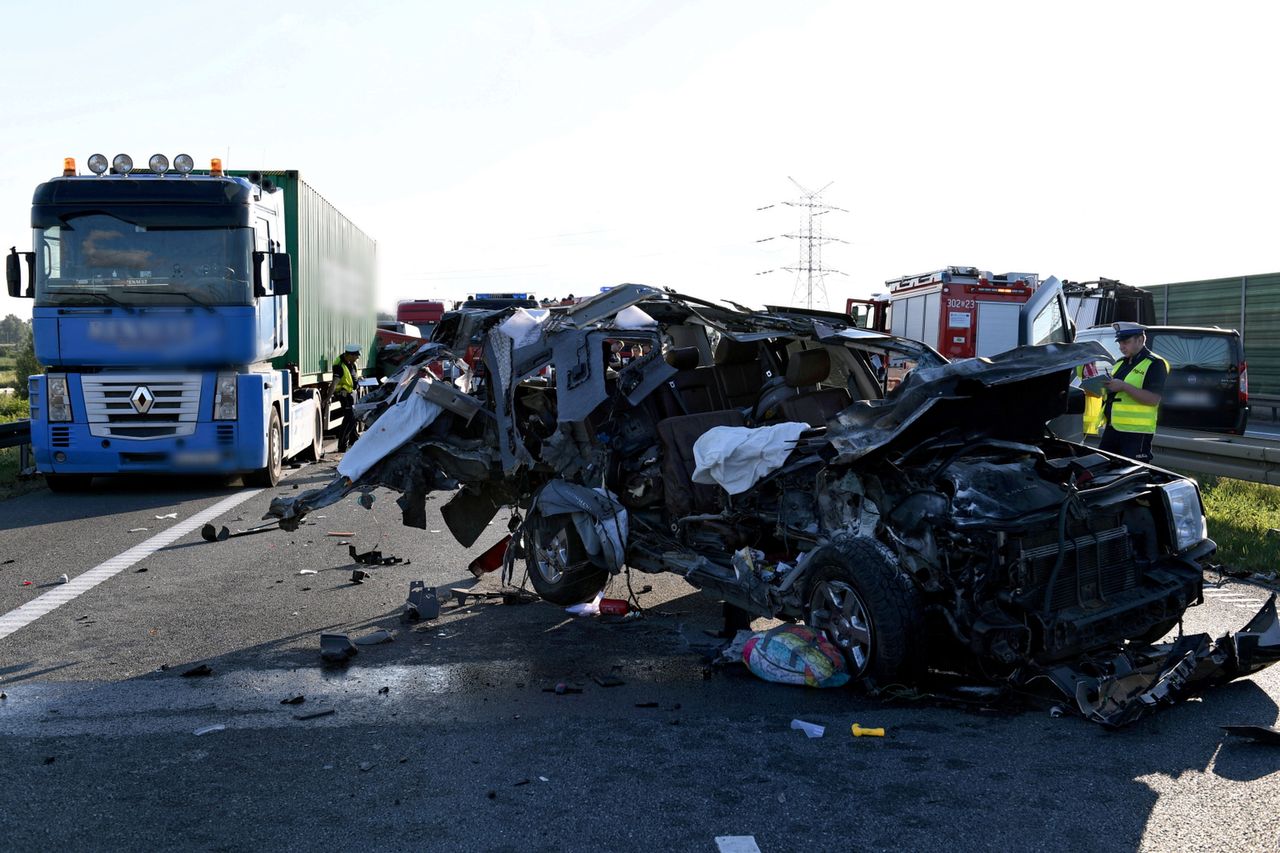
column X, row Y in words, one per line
column 810, row 273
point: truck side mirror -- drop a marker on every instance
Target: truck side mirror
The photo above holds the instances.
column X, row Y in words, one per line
column 13, row 272
column 281, row 274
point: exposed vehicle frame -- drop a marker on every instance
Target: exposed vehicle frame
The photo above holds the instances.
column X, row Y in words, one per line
column 940, row 526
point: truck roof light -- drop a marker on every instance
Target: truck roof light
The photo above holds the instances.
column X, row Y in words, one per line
column 68, row 167
column 183, row 164
column 98, row 164
column 122, row 164
column 159, row 163
column 215, row 167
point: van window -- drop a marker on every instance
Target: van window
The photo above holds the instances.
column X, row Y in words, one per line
column 1048, row 327
column 1206, row 352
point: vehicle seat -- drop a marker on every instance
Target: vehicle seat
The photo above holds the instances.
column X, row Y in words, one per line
column 677, row 435
column 815, row 406
column 695, row 389
column 737, row 364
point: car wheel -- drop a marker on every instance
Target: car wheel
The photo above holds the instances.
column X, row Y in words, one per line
column 67, row 482
column 868, row 609
column 270, row 475
column 559, row 568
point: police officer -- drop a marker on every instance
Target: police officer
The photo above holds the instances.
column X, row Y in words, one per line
column 1133, row 395
column 344, row 389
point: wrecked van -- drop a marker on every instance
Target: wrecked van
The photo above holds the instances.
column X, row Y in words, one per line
column 758, row 455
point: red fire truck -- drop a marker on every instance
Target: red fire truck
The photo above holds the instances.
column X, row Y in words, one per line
column 964, row 312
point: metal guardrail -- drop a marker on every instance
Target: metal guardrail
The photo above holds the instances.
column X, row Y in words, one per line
column 1242, row 458
column 18, row 434
column 1260, row 403
column 15, row 433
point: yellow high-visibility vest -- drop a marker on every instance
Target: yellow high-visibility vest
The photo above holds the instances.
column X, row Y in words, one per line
column 1092, row 409
column 343, row 380
column 1127, row 414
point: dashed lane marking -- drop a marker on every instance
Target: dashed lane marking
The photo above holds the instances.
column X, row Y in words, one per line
column 22, row 616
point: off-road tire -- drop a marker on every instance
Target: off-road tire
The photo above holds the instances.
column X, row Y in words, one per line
column 895, row 649
column 578, row 578
column 64, row 483
column 270, row 475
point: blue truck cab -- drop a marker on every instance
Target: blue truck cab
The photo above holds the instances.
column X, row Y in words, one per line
column 161, row 300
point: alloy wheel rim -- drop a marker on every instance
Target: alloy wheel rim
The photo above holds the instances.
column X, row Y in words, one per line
column 837, row 610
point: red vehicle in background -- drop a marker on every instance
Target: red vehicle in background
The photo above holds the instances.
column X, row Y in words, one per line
column 964, row 312
column 423, row 313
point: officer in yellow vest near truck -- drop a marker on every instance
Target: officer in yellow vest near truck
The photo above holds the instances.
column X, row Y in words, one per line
column 344, row 389
column 1132, row 399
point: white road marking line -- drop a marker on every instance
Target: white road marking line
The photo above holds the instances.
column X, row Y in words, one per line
column 35, row 608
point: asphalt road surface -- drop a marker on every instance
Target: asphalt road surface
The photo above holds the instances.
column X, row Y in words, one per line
column 446, row 738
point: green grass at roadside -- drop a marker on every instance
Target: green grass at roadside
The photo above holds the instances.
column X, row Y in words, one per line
column 1239, row 516
column 12, row 409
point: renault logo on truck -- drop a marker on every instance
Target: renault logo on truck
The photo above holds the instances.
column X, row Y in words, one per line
column 142, row 399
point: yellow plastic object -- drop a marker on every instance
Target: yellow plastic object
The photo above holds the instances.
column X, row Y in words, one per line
column 215, row 167
column 68, row 167
column 859, row 731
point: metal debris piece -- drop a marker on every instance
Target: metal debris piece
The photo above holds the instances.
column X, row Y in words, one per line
column 372, row 558
column 295, row 699
column 421, row 604
column 337, row 648
column 166, row 515
column 1259, row 734
column 608, row 680
column 204, row 730
column 62, row 578
column 307, row 572
column 198, row 671
column 211, row 534
column 311, row 715
column 340, row 533
column 383, row 691
column 376, row 638
column 136, row 529
column 360, row 576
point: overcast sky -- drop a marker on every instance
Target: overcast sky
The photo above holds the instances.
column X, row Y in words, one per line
column 560, row 147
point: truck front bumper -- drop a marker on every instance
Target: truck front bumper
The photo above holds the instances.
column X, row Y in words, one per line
column 213, row 448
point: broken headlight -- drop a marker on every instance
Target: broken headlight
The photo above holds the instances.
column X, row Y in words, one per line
column 59, row 397
column 224, row 398
column 1186, row 516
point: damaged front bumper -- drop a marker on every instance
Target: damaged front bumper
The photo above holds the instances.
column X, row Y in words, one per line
column 1131, row 684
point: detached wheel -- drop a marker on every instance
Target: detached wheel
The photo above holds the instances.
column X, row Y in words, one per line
column 558, row 565
column 315, row 452
column 63, row 483
column 270, row 475
column 869, row 610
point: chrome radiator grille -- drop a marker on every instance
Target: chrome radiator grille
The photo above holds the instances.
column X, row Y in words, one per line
column 139, row 405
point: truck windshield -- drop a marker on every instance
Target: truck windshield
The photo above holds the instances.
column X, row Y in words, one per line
column 94, row 256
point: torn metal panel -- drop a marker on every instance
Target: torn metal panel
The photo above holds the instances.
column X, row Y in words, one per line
column 448, row 397
column 1131, row 685
column 644, row 375
column 604, row 305
column 469, row 511
column 932, row 401
column 580, row 368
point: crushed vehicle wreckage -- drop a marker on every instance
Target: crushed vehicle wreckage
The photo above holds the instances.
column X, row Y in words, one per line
column 763, row 456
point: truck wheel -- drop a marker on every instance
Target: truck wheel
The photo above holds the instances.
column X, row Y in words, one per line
column 270, row 475
column 67, row 482
column 868, row 609
column 315, row 452
column 558, row 565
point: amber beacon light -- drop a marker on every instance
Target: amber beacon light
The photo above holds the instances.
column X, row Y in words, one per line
column 68, row 167
column 215, row 167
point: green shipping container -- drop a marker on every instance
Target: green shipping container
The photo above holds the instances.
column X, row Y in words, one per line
column 1249, row 303
column 333, row 302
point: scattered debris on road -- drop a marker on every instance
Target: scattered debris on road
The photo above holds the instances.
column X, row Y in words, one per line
column 360, row 576
column 608, row 680
column 295, row 699
column 337, row 648
column 307, row 572
column 1258, row 734
column 795, row 654
column 377, row 638
column 858, row 731
column 62, row 578
column 166, row 515
column 198, row 671
column 421, row 604
column 204, row 730
column 810, row 730
column 372, row 558
column 311, row 715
